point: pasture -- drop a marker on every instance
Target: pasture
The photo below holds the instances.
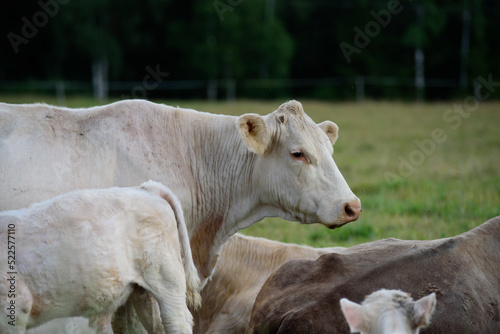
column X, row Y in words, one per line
column 422, row 171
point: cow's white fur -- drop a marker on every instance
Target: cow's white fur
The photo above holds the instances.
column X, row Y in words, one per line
column 388, row 312
column 228, row 172
column 82, row 254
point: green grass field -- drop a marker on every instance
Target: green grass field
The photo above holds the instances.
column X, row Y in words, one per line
column 422, row 171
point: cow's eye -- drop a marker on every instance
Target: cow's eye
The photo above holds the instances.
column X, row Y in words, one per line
column 299, row 155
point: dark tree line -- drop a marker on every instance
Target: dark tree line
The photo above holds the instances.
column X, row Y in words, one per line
column 258, row 39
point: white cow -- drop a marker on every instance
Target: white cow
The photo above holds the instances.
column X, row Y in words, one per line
column 82, row 253
column 228, row 172
column 389, row 312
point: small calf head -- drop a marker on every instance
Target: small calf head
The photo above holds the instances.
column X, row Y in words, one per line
column 389, row 311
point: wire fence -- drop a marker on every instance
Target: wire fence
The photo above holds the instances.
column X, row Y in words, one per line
column 226, row 89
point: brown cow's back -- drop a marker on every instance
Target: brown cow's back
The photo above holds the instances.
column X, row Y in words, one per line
column 464, row 272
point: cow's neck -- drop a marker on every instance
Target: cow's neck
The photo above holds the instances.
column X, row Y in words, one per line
column 222, row 199
column 203, row 159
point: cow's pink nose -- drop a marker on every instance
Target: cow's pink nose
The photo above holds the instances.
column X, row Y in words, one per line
column 352, row 210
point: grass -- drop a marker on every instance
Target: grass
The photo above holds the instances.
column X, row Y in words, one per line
column 408, row 190
column 421, row 171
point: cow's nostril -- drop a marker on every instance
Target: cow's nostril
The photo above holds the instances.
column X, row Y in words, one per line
column 352, row 210
column 349, row 211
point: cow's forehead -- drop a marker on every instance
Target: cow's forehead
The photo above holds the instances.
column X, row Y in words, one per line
column 394, row 296
column 302, row 129
column 291, row 125
column 292, row 107
column 295, row 119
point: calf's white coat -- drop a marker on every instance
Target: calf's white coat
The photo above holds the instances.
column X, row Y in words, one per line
column 83, row 253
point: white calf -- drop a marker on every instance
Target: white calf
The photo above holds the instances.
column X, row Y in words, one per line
column 82, row 254
column 389, row 311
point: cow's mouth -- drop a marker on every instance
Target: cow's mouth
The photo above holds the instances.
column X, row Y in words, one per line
column 333, row 227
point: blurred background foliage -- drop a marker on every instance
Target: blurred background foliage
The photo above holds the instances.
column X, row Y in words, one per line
column 271, row 51
column 254, row 39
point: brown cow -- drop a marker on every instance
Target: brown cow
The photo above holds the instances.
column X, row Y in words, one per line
column 463, row 271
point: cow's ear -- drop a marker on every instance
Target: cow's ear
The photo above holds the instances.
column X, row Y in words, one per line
column 331, row 129
column 354, row 315
column 254, row 132
column 423, row 309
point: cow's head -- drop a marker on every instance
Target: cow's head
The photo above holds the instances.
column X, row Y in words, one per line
column 388, row 311
column 294, row 164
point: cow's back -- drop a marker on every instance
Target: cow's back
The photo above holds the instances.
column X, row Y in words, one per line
column 303, row 296
column 46, row 150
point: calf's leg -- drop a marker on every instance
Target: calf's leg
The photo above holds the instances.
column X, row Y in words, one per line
column 168, row 286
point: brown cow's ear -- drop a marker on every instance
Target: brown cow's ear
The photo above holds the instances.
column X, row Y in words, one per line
column 331, row 129
column 423, row 309
column 354, row 315
column 254, row 132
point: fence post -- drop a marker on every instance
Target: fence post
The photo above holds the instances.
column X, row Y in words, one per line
column 230, row 90
column 60, row 94
column 212, row 90
column 420, row 58
column 100, row 78
column 360, row 89
column 419, row 74
column 464, row 47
